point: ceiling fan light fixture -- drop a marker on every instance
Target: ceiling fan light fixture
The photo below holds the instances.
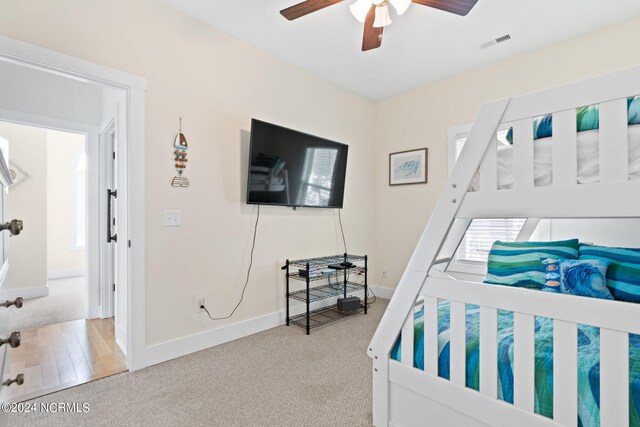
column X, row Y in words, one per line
column 382, row 16
column 401, row 6
column 360, row 9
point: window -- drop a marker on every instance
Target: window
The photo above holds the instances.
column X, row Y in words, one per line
column 482, row 233
column 317, row 176
column 79, row 201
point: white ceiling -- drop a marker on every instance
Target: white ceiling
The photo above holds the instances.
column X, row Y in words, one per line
column 422, row 46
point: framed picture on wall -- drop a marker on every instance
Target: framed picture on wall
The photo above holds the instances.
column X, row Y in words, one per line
column 408, row 167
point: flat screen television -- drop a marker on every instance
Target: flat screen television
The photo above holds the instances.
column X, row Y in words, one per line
column 291, row 168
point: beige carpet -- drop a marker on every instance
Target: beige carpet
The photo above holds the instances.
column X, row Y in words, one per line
column 67, row 300
column 280, row 377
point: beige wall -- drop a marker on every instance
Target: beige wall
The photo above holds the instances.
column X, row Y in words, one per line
column 217, row 84
column 421, row 118
column 27, row 201
column 63, row 150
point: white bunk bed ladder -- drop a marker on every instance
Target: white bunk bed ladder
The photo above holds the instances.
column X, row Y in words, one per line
column 426, row 280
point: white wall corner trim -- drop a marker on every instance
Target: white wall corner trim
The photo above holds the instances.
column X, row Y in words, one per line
column 26, row 293
column 384, row 293
column 122, row 345
column 168, row 350
column 65, row 274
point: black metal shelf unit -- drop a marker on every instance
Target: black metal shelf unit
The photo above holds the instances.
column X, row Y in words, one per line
column 313, row 270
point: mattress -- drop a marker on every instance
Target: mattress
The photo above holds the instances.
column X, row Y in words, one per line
column 588, row 362
column 588, row 148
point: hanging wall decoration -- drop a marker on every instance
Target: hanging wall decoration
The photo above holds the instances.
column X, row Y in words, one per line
column 408, row 167
column 180, row 147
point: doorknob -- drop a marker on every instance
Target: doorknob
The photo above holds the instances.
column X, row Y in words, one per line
column 14, row 227
column 13, row 340
column 18, row 380
column 17, row 302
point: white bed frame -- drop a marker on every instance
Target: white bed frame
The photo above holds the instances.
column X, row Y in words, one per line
column 405, row 396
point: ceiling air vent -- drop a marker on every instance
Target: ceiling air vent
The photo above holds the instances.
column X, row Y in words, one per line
column 494, row 42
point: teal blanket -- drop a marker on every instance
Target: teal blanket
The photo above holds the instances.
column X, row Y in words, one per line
column 588, row 362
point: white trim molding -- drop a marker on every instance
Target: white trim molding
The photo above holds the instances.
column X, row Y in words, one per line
column 178, row 347
column 121, row 346
column 384, row 293
column 22, row 53
column 66, row 274
column 26, row 293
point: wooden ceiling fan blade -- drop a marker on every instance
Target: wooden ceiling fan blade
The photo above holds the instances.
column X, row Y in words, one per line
column 459, row 7
column 372, row 36
column 306, row 7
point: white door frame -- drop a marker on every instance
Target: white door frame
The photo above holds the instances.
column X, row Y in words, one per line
column 133, row 192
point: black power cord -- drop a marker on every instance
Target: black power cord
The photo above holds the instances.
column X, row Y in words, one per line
column 337, row 288
column 374, row 297
column 244, row 288
column 344, row 241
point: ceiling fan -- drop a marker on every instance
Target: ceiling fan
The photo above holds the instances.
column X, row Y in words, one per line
column 375, row 13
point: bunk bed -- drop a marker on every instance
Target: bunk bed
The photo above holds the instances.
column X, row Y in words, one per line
column 451, row 351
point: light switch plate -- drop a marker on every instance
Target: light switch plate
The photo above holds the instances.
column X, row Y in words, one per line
column 172, row 218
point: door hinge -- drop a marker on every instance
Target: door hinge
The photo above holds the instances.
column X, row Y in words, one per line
column 129, row 243
column 114, row 287
column 114, row 155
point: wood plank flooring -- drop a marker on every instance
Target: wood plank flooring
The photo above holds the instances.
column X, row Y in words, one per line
column 63, row 355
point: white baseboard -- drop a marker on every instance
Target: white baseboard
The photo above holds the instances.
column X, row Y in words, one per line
column 179, row 347
column 384, row 293
column 168, row 350
column 122, row 346
column 26, row 293
column 64, row 274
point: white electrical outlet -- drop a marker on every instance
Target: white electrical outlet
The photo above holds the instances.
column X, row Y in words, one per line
column 200, row 301
column 385, row 273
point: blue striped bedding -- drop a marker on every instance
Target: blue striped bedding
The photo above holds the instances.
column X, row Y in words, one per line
column 588, row 362
column 623, row 274
column 518, row 263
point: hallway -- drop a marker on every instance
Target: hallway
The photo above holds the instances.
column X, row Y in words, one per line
column 62, row 355
column 67, row 300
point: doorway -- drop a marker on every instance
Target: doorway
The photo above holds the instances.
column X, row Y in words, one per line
column 128, row 302
column 63, row 345
column 48, row 194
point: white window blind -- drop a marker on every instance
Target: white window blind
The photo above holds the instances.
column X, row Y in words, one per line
column 319, row 165
column 80, row 201
column 482, row 233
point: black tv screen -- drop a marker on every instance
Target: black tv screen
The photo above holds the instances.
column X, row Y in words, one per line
column 291, row 168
